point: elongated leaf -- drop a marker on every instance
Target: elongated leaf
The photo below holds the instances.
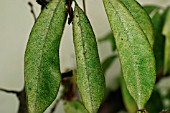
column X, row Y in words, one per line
column 107, row 62
column 159, row 42
column 141, row 17
column 90, row 79
column 129, row 102
column 135, row 53
column 166, row 32
column 150, row 8
column 42, row 71
column 74, row 107
column 109, row 37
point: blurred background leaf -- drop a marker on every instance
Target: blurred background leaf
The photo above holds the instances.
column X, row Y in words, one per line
column 150, row 8
column 155, row 104
column 159, row 41
column 166, row 32
column 74, row 106
column 129, row 102
column 107, row 62
column 109, row 37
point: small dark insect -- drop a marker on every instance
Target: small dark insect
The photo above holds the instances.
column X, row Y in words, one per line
column 69, row 10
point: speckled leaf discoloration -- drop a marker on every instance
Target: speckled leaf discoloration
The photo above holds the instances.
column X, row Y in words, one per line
column 141, row 17
column 42, row 71
column 135, row 52
column 90, row 79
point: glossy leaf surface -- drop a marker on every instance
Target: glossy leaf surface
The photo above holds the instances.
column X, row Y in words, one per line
column 135, row 52
column 166, row 32
column 42, row 70
column 74, row 107
column 90, row 78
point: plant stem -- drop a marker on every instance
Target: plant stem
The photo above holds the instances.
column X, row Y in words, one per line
column 32, row 11
column 9, row 91
column 84, row 6
column 21, row 97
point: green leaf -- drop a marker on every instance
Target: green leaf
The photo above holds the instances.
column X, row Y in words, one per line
column 127, row 98
column 141, row 17
column 159, row 41
column 166, row 32
column 74, row 107
column 135, row 53
column 107, row 62
column 42, row 71
column 109, row 37
column 150, row 8
column 90, row 78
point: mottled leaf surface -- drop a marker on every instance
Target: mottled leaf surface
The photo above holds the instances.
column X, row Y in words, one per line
column 141, row 17
column 42, row 71
column 74, row 107
column 90, row 78
column 166, row 32
column 135, row 52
